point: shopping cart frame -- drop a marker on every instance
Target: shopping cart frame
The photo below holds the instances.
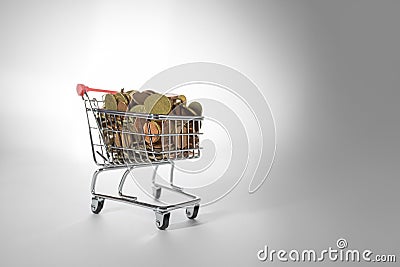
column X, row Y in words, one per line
column 162, row 211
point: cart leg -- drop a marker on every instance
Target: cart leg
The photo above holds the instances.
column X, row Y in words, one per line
column 94, row 180
column 97, row 202
column 122, row 182
column 171, row 175
column 171, row 178
column 155, row 187
column 153, row 178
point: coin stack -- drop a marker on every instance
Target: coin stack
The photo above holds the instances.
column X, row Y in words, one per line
column 132, row 136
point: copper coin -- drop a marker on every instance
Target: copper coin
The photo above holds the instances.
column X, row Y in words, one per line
column 117, row 138
column 122, row 107
column 183, row 138
column 126, row 140
column 151, row 127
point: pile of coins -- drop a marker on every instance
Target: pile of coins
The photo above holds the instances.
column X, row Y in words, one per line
column 133, row 136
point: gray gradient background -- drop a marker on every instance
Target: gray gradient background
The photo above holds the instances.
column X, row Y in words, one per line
column 330, row 70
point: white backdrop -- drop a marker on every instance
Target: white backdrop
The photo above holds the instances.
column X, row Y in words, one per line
column 328, row 69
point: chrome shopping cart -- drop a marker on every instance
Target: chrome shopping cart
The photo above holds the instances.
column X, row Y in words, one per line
column 125, row 140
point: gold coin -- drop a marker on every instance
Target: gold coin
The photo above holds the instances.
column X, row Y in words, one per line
column 138, row 109
column 110, row 102
column 196, row 107
column 121, row 98
column 131, row 92
column 158, row 104
column 128, row 97
column 182, row 98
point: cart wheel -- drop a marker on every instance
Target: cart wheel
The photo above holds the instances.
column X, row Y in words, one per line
column 191, row 212
column 97, row 204
column 156, row 192
column 162, row 220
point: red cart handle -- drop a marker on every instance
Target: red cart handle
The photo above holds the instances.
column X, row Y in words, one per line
column 82, row 89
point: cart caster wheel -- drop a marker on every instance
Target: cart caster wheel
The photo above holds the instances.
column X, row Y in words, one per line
column 156, row 192
column 97, row 204
column 162, row 220
column 191, row 212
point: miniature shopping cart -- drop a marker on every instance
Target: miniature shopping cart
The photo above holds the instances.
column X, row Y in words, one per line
column 117, row 144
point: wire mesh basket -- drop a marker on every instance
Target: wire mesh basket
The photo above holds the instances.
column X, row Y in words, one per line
column 126, row 138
